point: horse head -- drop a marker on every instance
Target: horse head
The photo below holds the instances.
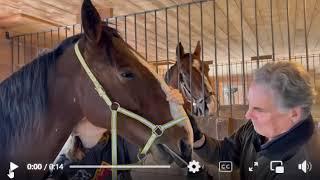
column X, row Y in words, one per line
column 190, row 75
column 130, row 83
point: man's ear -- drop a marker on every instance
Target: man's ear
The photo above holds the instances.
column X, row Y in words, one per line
column 91, row 21
column 197, row 50
column 179, row 50
column 296, row 114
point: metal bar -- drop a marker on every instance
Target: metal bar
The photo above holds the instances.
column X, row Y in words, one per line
column 73, row 30
column 314, row 73
column 167, row 39
column 288, row 27
column 272, row 31
column 229, row 60
column 145, row 36
column 66, row 31
column 242, row 48
column 135, row 33
column 51, row 40
column 179, row 53
column 116, row 19
column 24, row 49
column 190, row 56
column 58, row 35
column 37, row 44
column 305, row 33
column 156, row 38
column 202, row 54
column 216, row 57
column 44, row 40
column 12, row 55
column 114, row 151
column 257, row 34
column 125, row 28
column 30, row 48
column 18, row 52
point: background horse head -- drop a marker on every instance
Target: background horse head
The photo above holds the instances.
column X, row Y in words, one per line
column 186, row 74
column 42, row 102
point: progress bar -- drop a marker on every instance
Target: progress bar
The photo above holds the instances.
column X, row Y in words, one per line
column 118, row 166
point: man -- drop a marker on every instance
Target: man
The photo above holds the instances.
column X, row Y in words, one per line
column 280, row 134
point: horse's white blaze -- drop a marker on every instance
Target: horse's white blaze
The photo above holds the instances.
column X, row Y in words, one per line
column 176, row 110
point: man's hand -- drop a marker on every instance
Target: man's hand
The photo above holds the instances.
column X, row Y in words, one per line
column 175, row 96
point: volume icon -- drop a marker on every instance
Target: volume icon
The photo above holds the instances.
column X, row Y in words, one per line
column 305, row 166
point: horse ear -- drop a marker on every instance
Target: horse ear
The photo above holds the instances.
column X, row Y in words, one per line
column 179, row 49
column 197, row 51
column 91, row 21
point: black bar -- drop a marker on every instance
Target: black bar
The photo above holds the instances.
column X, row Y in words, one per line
column 202, row 53
column 30, row 47
column 145, row 36
column 24, row 49
column 135, row 32
column 179, row 55
column 44, row 40
column 167, row 38
column 51, row 38
column 242, row 48
column 216, row 57
column 37, row 44
column 58, row 35
column 12, row 55
column 125, row 28
column 288, row 26
column 156, row 38
column 257, row 35
column 229, row 60
column 190, row 56
column 305, row 33
column 272, row 32
column 66, row 31
column 19, row 51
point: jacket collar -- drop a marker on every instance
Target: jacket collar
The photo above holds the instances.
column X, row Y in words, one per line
column 288, row 142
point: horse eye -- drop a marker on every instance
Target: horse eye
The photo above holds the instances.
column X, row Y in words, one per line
column 128, row 75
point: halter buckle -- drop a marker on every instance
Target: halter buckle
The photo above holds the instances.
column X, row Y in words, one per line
column 115, row 106
column 158, row 130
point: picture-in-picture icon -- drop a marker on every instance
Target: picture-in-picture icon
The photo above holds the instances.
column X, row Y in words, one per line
column 277, row 167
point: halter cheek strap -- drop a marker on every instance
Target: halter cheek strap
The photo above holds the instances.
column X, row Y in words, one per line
column 156, row 130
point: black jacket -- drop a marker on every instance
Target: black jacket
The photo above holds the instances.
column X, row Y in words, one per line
column 244, row 147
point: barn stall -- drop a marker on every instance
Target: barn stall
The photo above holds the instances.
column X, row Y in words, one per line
column 236, row 36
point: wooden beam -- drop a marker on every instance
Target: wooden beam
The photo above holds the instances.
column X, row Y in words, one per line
column 20, row 18
column 104, row 13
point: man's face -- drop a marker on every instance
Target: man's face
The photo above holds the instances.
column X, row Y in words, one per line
column 264, row 112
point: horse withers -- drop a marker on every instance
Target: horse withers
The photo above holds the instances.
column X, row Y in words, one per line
column 41, row 103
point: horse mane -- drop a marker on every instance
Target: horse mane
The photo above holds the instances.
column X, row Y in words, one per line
column 24, row 96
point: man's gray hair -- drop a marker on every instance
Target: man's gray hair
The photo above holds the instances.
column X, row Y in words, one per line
column 290, row 83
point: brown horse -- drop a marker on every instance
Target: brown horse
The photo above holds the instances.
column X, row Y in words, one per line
column 186, row 75
column 42, row 103
column 200, row 108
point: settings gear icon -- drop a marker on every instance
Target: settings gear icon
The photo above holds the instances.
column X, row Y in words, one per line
column 194, row 166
